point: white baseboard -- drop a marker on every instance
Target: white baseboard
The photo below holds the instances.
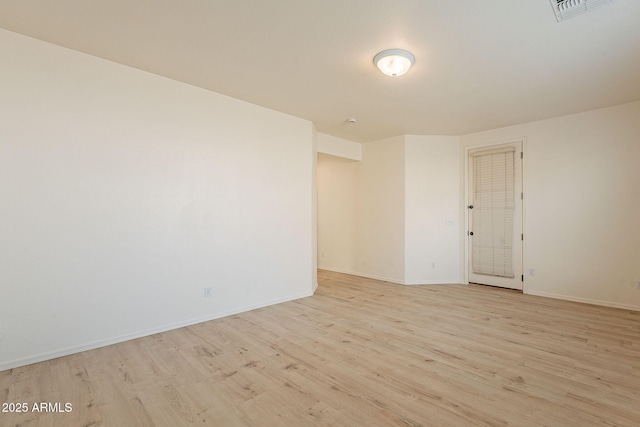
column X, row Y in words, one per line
column 338, row 270
column 434, row 282
column 369, row 276
column 387, row 279
column 583, row 300
column 11, row 364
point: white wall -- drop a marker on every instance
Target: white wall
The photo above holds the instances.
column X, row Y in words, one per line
column 582, row 198
column 432, row 209
column 314, row 209
column 124, row 195
column 381, row 216
column 337, row 213
column 395, row 215
column 339, row 147
column 338, row 178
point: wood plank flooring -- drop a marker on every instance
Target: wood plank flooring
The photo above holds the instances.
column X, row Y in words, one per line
column 358, row 353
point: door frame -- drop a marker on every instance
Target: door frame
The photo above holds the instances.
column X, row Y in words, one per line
column 467, row 193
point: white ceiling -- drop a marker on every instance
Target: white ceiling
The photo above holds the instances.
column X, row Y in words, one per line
column 479, row 64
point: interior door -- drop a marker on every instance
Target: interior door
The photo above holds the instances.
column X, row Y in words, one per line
column 494, row 215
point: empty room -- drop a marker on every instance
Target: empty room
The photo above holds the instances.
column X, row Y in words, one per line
column 337, row 213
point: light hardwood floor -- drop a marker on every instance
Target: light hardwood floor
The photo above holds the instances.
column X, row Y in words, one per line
column 358, row 353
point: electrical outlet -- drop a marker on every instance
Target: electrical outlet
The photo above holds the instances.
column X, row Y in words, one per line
column 207, row 292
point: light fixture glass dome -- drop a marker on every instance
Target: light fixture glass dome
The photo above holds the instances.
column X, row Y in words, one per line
column 394, row 62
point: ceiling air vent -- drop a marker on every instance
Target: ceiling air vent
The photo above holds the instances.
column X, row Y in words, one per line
column 566, row 9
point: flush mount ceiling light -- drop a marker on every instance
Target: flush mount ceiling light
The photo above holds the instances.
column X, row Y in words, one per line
column 394, row 62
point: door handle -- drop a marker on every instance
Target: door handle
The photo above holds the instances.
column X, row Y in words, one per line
column 470, row 206
column 471, row 233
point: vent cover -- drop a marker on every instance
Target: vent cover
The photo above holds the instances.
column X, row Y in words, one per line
column 566, row 9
